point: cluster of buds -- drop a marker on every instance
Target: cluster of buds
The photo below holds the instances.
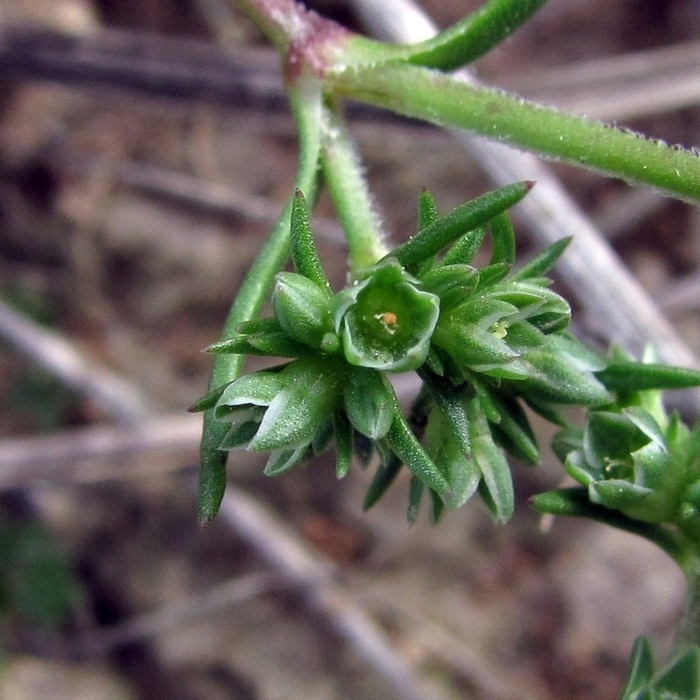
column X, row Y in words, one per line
column 631, row 456
column 486, row 342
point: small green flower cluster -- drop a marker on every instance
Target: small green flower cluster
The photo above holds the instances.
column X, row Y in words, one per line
column 484, row 341
column 631, row 456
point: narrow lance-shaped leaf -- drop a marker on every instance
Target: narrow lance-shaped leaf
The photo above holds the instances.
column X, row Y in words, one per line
column 407, row 448
column 343, row 443
column 462, row 43
column 368, row 402
column 459, row 468
column 383, row 479
column 273, row 344
column 543, row 262
column 575, row 502
column 304, row 253
column 494, row 467
column 450, row 400
column 641, row 669
column 309, row 395
column 642, row 376
column 415, row 497
column 427, row 214
column 503, row 237
column 465, row 248
column 449, row 228
column 427, row 209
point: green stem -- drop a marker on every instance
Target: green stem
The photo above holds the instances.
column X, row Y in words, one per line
column 426, row 94
column 306, row 102
column 689, row 628
column 346, row 181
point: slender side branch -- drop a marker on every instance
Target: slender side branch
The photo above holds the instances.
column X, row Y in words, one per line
column 443, row 100
column 307, row 105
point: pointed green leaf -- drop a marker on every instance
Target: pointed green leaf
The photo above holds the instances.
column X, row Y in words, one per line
column 304, row 252
column 427, row 209
column 641, row 669
column 258, row 389
column 383, row 479
column 273, row 343
column 208, row 401
column 514, row 431
column 310, row 394
column 543, row 262
column 640, row 376
column 343, row 443
column 492, row 464
column 407, row 448
column 462, row 43
column 212, row 470
column 283, row 459
column 503, row 237
column 492, row 275
column 446, row 279
column 431, row 240
column 459, row 468
column 619, row 494
column 437, row 508
column 552, row 378
column 680, row 680
column 242, row 432
column 415, row 497
column 465, row 248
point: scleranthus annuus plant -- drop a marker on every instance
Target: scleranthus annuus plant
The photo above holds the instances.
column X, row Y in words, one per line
column 489, row 344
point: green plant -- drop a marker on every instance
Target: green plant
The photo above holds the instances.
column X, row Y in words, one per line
column 484, row 341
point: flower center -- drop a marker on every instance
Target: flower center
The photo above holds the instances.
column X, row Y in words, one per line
column 389, row 320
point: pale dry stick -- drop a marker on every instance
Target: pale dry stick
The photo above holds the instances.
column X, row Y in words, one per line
column 448, row 647
column 616, row 304
column 318, row 580
column 157, row 444
column 681, row 296
column 619, row 216
column 214, row 196
column 618, row 87
column 62, row 359
column 179, row 614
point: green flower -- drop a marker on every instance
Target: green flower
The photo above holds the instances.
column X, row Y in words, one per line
column 630, row 463
column 386, row 322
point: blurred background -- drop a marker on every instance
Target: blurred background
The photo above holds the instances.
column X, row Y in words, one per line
column 145, row 151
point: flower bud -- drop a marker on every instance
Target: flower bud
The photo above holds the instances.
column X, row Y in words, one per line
column 303, row 310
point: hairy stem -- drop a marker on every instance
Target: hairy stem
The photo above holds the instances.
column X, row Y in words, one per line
column 443, row 100
column 348, row 187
